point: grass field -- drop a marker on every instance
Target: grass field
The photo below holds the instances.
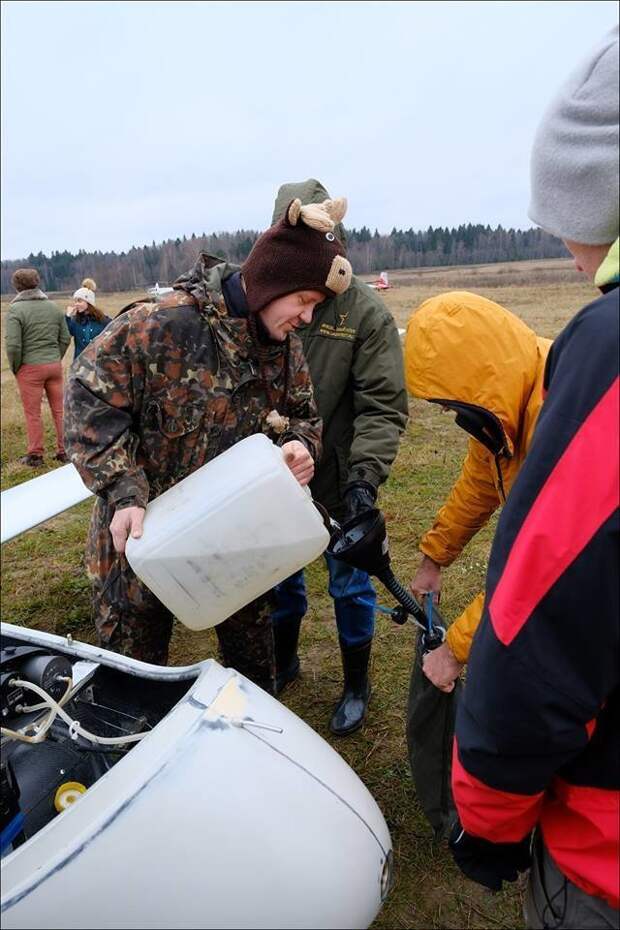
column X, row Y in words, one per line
column 44, row 587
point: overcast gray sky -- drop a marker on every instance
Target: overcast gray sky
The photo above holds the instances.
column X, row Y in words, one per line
column 125, row 122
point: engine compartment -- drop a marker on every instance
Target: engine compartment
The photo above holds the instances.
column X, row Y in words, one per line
column 56, row 709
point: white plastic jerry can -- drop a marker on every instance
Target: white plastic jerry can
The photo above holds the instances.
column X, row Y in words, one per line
column 226, row 534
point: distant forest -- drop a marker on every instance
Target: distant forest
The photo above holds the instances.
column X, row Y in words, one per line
column 142, row 266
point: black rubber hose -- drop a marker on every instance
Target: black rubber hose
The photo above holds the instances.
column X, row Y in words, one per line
column 407, row 600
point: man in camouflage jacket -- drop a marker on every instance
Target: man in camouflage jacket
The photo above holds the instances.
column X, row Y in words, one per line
column 355, row 359
column 170, row 385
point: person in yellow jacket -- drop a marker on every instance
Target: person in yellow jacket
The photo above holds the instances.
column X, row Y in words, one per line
column 471, row 356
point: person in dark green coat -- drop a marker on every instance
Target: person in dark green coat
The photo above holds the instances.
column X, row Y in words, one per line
column 355, row 358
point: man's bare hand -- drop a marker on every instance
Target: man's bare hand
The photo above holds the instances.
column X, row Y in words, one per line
column 299, row 461
column 441, row 667
column 126, row 522
column 427, row 580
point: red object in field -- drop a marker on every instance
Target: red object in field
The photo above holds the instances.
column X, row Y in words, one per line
column 382, row 283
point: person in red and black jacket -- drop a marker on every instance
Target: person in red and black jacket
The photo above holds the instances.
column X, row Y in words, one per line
column 537, row 730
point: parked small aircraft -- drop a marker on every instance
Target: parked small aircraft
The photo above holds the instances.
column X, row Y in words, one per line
column 157, row 290
column 382, row 283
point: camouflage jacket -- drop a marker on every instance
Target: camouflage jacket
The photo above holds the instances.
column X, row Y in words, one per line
column 167, row 387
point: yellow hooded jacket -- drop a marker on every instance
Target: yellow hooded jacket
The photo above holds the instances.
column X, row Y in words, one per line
column 464, row 348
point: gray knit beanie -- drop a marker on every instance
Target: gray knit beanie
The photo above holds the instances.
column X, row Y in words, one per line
column 574, row 165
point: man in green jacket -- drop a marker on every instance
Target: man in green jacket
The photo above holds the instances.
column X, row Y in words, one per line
column 354, row 354
column 36, row 340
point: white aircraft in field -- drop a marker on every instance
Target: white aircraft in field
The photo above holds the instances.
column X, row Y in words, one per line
column 140, row 796
column 157, row 290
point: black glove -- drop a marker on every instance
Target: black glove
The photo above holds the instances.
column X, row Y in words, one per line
column 358, row 497
column 487, row 863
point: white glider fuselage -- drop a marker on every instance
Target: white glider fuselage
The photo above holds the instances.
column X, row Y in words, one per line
column 230, row 812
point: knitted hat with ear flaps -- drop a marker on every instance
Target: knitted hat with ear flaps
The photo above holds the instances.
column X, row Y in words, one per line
column 298, row 253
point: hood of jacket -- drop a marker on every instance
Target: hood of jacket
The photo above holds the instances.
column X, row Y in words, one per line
column 310, row 191
column 204, row 279
column 464, row 348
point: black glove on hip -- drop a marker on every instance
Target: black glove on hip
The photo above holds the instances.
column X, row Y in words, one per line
column 358, row 497
column 487, row 863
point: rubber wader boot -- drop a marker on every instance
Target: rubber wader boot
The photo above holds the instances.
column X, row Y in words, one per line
column 286, row 638
column 351, row 711
column 32, row 460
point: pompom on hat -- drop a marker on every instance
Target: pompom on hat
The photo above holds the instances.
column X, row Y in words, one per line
column 86, row 292
column 574, row 163
column 298, row 253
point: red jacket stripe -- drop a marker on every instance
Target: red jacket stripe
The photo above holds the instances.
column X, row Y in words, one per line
column 553, row 534
column 580, row 826
column 497, row 816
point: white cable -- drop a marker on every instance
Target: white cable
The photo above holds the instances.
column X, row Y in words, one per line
column 75, row 726
column 63, row 700
column 39, row 728
column 29, row 708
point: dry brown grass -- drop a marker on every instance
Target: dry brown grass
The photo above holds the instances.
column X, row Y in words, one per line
column 546, row 294
column 44, row 587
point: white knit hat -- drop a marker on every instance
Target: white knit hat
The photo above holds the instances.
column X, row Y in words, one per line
column 86, row 292
column 574, row 165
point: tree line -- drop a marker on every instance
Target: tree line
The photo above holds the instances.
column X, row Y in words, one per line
column 141, row 267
